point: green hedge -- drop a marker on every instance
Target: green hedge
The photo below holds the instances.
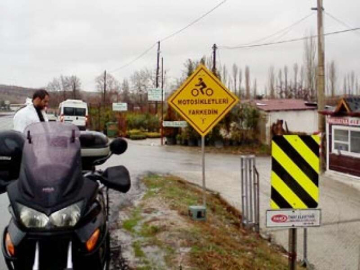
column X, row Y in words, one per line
column 134, row 132
column 153, row 135
column 138, row 137
column 143, row 121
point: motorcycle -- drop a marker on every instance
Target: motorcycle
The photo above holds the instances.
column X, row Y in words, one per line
column 59, row 202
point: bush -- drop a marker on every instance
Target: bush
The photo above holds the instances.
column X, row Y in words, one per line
column 99, row 116
column 134, row 132
column 136, row 121
column 138, row 137
column 153, row 135
column 143, row 122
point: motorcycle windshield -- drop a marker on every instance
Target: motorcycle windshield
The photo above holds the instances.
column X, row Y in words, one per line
column 51, row 164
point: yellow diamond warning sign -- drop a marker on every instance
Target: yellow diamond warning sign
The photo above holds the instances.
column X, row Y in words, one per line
column 202, row 100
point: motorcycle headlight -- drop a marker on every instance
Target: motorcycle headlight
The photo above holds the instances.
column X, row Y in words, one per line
column 67, row 217
column 32, row 218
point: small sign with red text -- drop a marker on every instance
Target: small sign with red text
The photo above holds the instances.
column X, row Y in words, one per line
column 293, row 218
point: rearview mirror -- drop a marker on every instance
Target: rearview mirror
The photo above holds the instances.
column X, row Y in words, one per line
column 117, row 178
column 118, row 146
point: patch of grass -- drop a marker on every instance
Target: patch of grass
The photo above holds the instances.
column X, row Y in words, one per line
column 149, row 230
column 132, row 222
column 139, row 253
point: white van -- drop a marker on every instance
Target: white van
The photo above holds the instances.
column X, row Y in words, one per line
column 74, row 111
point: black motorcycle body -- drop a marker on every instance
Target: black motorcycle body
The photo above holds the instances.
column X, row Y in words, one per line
column 59, row 210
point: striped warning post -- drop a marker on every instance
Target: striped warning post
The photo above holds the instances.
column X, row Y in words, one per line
column 295, row 171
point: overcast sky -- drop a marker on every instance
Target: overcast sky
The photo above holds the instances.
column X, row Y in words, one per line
column 42, row 39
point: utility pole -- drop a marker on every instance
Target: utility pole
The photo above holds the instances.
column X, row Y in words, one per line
column 321, row 80
column 157, row 72
column 214, row 59
column 104, row 87
column 162, row 101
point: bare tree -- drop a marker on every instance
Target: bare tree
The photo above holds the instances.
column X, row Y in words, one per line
column 255, row 89
column 144, row 79
column 280, row 83
column 310, row 64
column 107, row 86
column 271, row 81
column 302, row 77
column 125, row 91
column 235, row 71
column 345, row 85
column 62, row 86
column 332, row 75
column 230, row 83
column 247, row 82
column 286, row 72
column 240, row 81
column 296, row 73
column 352, row 82
column 224, row 76
column 75, row 84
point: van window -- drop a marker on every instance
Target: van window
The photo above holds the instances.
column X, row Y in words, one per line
column 70, row 111
column 80, row 111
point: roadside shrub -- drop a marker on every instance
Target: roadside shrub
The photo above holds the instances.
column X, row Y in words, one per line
column 136, row 121
column 153, row 135
column 147, row 122
column 153, row 123
column 138, row 137
column 134, row 132
column 99, row 116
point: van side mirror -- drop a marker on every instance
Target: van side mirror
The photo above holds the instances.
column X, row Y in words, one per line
column 118, row 146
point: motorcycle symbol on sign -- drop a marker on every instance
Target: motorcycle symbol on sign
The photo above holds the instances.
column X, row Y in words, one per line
column 202, row 86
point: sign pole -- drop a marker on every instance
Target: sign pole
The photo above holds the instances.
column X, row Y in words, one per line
column 292, row 248
column 203, row 168
column 305, row 247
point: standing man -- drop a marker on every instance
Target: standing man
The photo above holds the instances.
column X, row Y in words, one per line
column 33, row 112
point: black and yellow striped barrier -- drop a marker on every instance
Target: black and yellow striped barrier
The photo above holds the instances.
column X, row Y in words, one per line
column 295, row 172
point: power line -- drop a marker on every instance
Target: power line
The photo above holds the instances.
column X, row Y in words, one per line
column 168, row 37
column 287, row 41
column 193, row 22
column 287, row 29
column 135, row 59
column 339, row 21
column 127, row 64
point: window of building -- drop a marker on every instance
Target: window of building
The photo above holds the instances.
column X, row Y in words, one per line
column 346, row 140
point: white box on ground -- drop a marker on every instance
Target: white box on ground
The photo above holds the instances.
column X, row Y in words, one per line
column 175, row 124
column 120, row 107
column 293, row 218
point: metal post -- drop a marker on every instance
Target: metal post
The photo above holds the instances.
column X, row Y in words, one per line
column 292, row 248
column 162, row 100
column 305, row 262
column 251, row 188
column 203, row 168
column 242, row 189
column 246, row 192
column 257, row 200
column 157, row 73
